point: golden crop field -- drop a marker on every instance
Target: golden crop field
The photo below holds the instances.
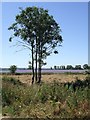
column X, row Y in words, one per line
column 49, row 77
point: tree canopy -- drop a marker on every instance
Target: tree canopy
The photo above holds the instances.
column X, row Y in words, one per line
column 39, row 32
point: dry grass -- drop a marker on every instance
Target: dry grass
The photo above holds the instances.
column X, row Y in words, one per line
column 46, row 100
column 49, row 77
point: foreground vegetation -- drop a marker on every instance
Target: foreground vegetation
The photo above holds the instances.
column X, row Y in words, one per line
column 45, row 100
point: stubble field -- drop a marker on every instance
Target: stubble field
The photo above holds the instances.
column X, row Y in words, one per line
column 48, row 78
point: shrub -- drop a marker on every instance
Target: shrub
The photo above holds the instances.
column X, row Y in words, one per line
column 13, row 68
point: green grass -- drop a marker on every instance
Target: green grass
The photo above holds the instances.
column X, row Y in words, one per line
column 52, row 100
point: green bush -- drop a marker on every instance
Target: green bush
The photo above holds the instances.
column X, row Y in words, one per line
column 13, row 69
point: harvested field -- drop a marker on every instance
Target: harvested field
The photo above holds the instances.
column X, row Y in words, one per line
column 50, row 77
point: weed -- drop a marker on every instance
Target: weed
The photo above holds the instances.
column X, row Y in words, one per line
column 48, row 99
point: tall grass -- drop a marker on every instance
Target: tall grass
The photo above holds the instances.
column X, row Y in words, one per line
column 53, row 100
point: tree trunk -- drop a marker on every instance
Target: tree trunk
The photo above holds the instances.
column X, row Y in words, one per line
column 39, row 63
column 32, row 65
column 40, row 58
column 39, row 72
column 36, row 61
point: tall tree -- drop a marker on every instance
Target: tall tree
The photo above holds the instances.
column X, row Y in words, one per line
column 40, row 33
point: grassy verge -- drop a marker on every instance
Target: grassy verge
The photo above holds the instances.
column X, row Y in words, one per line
column 47, row 100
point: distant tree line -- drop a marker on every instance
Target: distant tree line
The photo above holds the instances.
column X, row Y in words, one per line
column 70, row 67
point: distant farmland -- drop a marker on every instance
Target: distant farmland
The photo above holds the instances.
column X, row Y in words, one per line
column 44, row 71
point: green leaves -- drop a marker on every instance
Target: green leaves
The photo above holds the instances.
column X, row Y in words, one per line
column 56, row 52
column 10, row 39
column 37, row 20
column 38, row 30
column 13, row 68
